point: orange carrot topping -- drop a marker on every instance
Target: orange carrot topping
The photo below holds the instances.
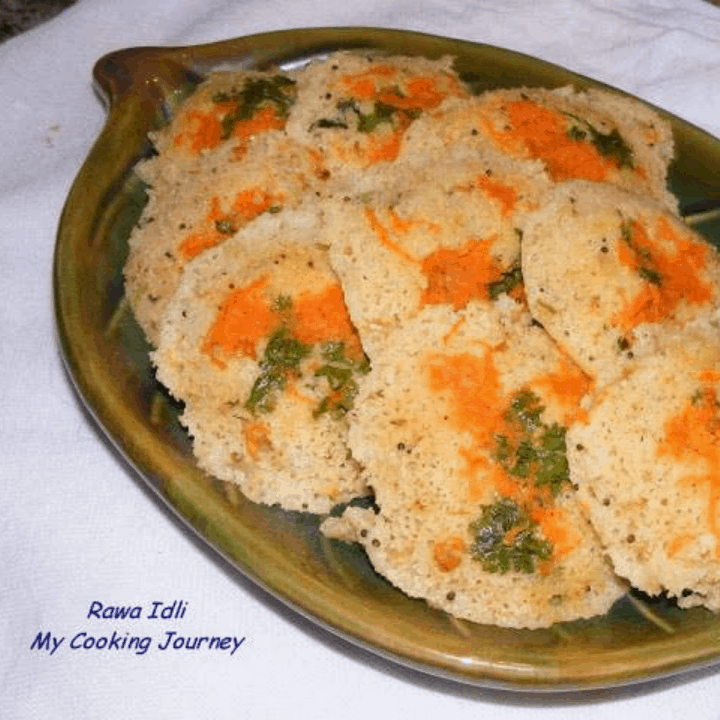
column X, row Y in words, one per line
column 403, row 225
column 456, row 326
column 556, row 528
column 264, row 119
column 672, row 277
column 218, row 226
column 695, row 434
column 323, row 317
column 250, row 203
column 421, row 93
column 384, row 147
column 363, row 86
column 204, row 130
column 208, row 236
column 477, row 404
column 541, row 133
column 416, row 94
column 473, row 386
column 476, row 468
column 448, row 554
column 257, row 438
column 457, row 276
column 245, row 318
column 200, row 131
column 569, row 384
column 384, row 237
column 506, row 195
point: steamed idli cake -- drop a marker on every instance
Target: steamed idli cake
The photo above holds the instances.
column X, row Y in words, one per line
column 448, row 239
column 593, row 135
column 632, row 274
column 355, row 108
column 647, row 463
column 461, row 429
column 258, row 344
column 186, row 216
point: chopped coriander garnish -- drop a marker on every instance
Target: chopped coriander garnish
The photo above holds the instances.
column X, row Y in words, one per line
column 278, row 91
column 508, row 281
column 525, row 410
column 340, row 372
column 652, row 276
column 536, row 452
column 505, row 539
column 610, row 145
column 382, row 113
column 282, row 303
column 330, row 123
column 644, row 257
column 282, row 357
column 225, row 227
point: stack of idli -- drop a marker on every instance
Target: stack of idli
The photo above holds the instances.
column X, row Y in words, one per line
column 482, row 311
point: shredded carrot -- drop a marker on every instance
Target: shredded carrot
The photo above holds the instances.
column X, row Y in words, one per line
column 506, row 195
column 200, row 131
column 363, row 86
column 245, row 318
column 384, row 237
column 569, row 384
column 382, row 84
column 556, row 528
column 478, row 405
column 264, row 120
column 323, row 317
column 257, row 438
column 457, row 276
column 678, row 274
column 475, row 393
column 456, row 326
column 541, row 133
column 695, row 434
column 246, row 206
column 208, row 235
column 403, row 225
column 203, row 130
column 448, row 553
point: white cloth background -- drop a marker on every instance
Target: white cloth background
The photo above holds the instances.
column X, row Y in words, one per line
column 75, row 524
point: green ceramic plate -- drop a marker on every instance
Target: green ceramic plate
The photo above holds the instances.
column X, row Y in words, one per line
column 283, row 552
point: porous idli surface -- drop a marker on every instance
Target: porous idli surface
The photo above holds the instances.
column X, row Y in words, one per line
column 446, row 239
column 613, row 276
column 647, row 465
column 460, row 428
column 258, row 345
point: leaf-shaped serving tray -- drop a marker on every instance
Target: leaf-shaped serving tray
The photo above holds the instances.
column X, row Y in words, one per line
column 330, row 582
